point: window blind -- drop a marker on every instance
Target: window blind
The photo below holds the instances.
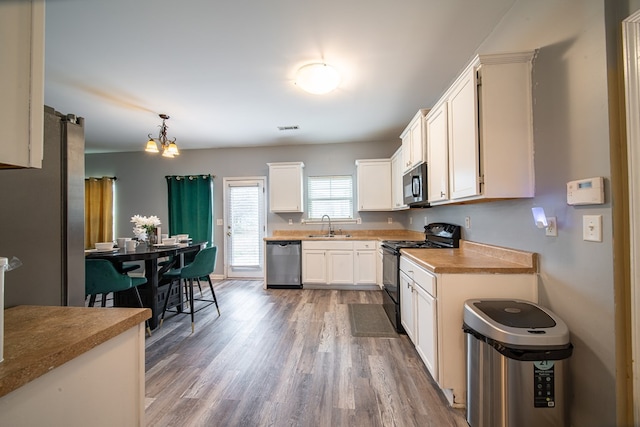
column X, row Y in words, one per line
column 245, row 222
column 330, row 195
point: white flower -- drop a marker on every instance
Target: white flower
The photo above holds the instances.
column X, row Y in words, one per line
column 144, row 225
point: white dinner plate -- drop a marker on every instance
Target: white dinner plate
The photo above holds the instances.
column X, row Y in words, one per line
column 102, row 251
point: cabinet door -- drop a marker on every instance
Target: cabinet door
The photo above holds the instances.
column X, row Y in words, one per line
column 463, row 138
column 22, row 84
column 406, row 151
column 417, row 142
column 437, row 154
column 406, row 305
column 396, row 181
column 340, row 267
column 314, row 266
column 374, row 185
column 365, row 267
column 285, row 187
column 426, row 331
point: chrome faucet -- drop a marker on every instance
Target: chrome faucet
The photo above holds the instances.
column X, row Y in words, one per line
column 329, row 218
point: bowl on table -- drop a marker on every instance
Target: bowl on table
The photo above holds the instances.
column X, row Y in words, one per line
column 168, row 241
column 104, row 246
column 181, row 237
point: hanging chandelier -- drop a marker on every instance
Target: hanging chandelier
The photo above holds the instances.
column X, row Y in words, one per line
column 169, row 147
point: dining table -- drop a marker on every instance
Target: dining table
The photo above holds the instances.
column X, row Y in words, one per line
column 153, row 292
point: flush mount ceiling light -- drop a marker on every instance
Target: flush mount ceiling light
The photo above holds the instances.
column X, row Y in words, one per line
column 318, row 78
column 169, row 147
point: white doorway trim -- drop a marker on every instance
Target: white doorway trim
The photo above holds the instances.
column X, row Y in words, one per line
column 255, row 271
column 631, row 52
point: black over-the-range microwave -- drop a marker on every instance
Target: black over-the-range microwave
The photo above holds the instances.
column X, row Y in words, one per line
column 414, row 187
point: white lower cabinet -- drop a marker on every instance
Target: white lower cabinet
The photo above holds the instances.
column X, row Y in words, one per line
column 431, row 310
column 339, row 263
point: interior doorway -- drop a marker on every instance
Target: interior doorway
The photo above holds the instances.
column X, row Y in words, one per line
column 244, row 226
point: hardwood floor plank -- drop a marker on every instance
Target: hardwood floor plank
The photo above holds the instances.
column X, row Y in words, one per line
column 286, row 357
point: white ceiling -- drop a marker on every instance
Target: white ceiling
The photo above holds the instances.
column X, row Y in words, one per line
column 224, row 69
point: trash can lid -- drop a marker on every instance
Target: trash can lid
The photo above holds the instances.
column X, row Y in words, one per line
column 515, row 322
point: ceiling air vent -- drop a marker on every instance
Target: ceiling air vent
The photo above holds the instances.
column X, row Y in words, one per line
column 295, row 127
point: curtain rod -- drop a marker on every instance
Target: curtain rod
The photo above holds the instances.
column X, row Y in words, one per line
column 189, row 176
column 110, row 177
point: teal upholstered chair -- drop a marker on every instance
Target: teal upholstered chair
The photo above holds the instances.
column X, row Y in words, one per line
column 202, row 266
column 102, row 277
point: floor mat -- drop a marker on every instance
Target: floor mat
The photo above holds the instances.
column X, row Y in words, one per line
column 370, row 320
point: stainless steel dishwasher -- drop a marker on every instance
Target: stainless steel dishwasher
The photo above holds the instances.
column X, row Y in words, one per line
column 284, row 264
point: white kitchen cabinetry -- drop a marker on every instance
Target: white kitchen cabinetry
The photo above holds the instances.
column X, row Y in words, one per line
column 314, row 265
column 417, row 300
column 339, row 263
column 286, row 187
column 436, row 320
column 437, row 154
column 413, row 141
column 364, row 262
column 489, row 132
column 374, row 184
column 340, row 266
column 407, row 305
column 22, row 84
column 397, row 171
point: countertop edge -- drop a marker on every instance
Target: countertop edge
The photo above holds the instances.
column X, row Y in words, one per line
column 19, row 369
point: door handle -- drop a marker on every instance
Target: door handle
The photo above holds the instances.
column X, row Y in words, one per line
column 229, row 233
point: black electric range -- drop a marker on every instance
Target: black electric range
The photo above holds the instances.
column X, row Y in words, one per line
column 437, row 236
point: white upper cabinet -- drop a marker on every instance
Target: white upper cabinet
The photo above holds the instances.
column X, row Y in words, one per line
column 22, row 84
column 374, row 184
column 286, row 187
column 397, row 170
column 413, row 141
column 485, row 151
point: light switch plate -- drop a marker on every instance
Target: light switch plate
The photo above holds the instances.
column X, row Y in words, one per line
column 219, row 221
column 592, row 228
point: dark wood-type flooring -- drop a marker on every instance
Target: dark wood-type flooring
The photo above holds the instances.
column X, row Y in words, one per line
column 286, row 358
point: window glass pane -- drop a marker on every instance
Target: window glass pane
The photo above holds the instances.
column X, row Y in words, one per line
column 244, row 203
column 330, row 195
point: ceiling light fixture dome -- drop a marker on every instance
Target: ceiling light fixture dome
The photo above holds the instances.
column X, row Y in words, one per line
column 169, row 147
column 318, row 78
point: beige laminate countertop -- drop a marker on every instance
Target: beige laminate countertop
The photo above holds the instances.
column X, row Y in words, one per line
column 38, row 339
column 354, row 235
column 473, row 257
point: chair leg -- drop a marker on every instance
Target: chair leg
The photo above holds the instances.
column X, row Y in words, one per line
column 199, row 286
column 192, row 304
column 166, row 300
column 215, row 300
column 146, row 322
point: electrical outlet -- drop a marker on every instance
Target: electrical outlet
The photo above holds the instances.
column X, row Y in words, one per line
column 410, row 220
column 358, row 220
column 290, row 221
column 389, row 220
column 425, row 220
column 592, row 228
column 467, row 222
column 552, row 227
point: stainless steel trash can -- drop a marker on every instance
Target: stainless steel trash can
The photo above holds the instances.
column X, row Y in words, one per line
column 517, row 355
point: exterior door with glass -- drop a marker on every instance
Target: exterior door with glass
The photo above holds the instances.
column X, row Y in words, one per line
column 245, row 212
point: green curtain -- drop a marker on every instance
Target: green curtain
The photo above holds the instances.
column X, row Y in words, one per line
column 191, row 206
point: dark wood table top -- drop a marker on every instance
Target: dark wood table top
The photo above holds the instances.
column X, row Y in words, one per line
column 143, row 252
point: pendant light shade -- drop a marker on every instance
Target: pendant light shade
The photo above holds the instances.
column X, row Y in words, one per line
column 318, row 78
column 169, row 147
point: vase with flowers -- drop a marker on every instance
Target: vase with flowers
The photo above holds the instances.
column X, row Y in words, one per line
column 145, row 228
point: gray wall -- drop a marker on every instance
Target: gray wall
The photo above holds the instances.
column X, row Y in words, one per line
column 142, row 189
column 572, row 74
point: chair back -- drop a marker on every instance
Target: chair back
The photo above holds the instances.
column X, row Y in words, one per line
column 203, row 264
column 101, row 277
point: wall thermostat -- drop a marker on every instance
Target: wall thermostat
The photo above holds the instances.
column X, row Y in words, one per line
column 589, row 191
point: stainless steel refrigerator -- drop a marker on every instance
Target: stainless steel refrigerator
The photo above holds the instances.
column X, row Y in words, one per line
column 42, row 219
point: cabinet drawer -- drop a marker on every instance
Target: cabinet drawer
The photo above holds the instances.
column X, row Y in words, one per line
column 365, row 244
column 419, row 275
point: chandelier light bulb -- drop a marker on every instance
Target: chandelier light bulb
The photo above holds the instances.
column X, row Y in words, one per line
column 318, row 78
column 169, row 147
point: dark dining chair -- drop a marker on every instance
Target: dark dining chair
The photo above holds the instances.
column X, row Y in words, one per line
column 202, row 266
column 102, row 277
